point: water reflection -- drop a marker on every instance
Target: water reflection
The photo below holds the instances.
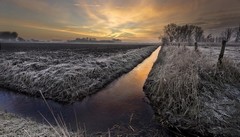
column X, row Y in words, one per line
column 113, row 105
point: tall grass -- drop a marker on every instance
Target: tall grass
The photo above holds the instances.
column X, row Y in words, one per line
column 186, row 89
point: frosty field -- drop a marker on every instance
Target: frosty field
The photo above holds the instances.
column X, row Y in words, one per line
column 66, row 75
column 231, row 52
column 189, row 92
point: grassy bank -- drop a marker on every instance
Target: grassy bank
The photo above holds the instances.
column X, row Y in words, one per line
column 12, row 126
column 66, row 75
column 190, row 93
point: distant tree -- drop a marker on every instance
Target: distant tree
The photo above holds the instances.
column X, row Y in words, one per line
column 6, row 35
column 190, row 32
column 227, row 34
column 198, row 33
column 20, row 39
column 170, row 31
column 209, row 38
column 178, row 33
column 185, row 33
column 237, row 39
column 14, row 35
column 165, row 41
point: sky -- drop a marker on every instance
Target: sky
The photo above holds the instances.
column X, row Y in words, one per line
column 129, row 20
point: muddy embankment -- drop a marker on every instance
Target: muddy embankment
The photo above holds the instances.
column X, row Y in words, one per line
column 190, row 93
column 66, row 75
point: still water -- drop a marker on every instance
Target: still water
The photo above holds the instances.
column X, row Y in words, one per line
column 113, row 105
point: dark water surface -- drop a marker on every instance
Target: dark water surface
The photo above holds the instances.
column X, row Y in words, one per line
column 113, row 105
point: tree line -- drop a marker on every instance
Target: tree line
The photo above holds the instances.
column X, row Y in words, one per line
column 192, row 33
column 6, row 35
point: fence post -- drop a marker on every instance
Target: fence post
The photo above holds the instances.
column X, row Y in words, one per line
column 224, row 42
column 196, row 46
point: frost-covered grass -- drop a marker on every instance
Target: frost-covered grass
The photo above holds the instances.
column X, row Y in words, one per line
column 231, row 52
column 13, row 126
column 190, row 92
column 66, row 75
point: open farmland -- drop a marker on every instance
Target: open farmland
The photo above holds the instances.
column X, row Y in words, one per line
column 67, row 75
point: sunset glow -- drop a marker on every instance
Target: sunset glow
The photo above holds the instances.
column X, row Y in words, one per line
column 131, row 20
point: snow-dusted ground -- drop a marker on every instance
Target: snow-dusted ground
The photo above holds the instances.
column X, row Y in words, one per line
column 231, row 52
column 66, row 75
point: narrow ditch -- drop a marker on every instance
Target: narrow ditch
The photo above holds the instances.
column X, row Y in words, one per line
column 120, row 100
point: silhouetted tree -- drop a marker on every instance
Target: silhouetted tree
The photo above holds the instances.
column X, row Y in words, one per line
column 198, row 33
column 185, row 33
column 227, row 34
column 14, row 35
column 165, row 41
column 170, row 31
column 209, row 38
column 237, row 39
column 190, row 32
column 8, row 35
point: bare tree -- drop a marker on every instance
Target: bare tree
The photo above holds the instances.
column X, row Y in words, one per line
column 237, row 34
column 190, row 32
column 170, row 31
column 209, row 37
column 178, row 33
column 198, row 34
column 227, row 34
column 164, row 39
column 222, row 52
column 185, row 33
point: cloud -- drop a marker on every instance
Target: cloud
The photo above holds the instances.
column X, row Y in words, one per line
column 125, row 19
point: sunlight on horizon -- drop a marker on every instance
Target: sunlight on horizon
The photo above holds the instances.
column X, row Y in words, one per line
column 132, row 20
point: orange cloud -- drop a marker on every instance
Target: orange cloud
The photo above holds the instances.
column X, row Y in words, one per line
column 128, row 20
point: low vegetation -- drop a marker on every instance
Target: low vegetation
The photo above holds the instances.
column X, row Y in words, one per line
column 12, row 126
column 66, row 75
column 190, row 93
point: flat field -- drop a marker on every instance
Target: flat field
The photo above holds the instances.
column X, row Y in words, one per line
column 67, row 75
column 231, row 52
